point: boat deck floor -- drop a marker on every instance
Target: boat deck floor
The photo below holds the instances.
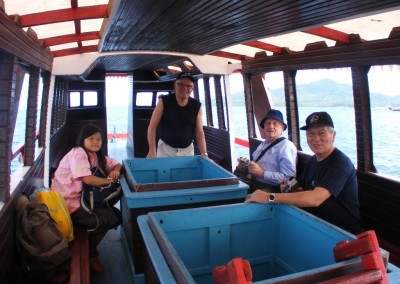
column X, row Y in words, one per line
column 111, row 253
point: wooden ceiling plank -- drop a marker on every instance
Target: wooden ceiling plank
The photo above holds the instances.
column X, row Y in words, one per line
column 214, row 21
column 64, row 15
column 289, row 22
column 51, row 41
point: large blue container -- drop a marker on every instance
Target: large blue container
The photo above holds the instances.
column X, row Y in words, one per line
column 281, row 242
column 148, row 174
column 151, row 185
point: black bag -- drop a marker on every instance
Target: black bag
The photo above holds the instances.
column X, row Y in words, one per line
column 242, row 171
column 43, row 248
column 100, row 196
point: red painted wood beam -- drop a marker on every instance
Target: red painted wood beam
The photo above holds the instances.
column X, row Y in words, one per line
column 229, row 55
column 242, row 142
column 264, row 46
column 77, row 23
column 329, row 34
column 76, row 50
column 64, row 15
column 69, row 38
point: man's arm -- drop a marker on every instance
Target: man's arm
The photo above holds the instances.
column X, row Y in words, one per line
column 309, row 198
column 151, row 130
column 200, row 137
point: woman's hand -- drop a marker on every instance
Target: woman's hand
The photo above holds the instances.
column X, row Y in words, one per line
column 114, row 175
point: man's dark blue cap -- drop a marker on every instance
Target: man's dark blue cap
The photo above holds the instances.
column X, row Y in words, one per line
column 318, row 118
column 185, row 75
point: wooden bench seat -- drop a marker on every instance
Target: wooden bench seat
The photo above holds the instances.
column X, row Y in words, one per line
column 216, row 158
column 219, row 160
column 79, row 266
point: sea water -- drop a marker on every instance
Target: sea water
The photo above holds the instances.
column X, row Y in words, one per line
column 385, row 129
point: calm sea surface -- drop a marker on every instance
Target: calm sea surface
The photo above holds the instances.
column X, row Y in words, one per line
column 385, row 128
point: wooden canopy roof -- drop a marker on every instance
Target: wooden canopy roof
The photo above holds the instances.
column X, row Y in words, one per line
column 130, row 32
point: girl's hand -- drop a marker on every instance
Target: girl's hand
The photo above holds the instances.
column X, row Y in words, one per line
column 114, row 175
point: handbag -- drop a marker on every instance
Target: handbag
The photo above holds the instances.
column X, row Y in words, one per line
column 100, row 196
column 58, row 211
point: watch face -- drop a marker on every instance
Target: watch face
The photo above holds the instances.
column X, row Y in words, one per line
column 271, row 198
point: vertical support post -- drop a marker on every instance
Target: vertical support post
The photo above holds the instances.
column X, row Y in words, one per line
column 31, row 116
column 363, row 118
column 44, row 108
column 7, row 96
column 207, row 97
column 292, row 110
column 219, row 103
column 249, row 105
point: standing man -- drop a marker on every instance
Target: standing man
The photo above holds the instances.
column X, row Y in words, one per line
column 329, row 181
column 178, row 118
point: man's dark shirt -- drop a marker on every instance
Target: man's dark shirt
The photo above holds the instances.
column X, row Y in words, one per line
column 337, row 174
column 178, row 124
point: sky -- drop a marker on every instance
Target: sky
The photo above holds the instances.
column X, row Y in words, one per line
column 384, row 80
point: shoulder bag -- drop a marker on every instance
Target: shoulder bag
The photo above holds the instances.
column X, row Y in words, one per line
column 100, row 196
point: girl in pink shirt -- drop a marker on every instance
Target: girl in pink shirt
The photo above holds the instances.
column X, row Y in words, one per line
column 74, row 170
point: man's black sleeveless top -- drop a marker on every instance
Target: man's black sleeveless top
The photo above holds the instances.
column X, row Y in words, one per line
column 178, row 124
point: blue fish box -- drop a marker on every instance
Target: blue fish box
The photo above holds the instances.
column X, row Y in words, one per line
column 159, row 184
column 281, row 242
column 148, row 174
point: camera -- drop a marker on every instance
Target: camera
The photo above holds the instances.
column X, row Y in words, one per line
column 244, row 162
column 242, row 170
column 289, row 184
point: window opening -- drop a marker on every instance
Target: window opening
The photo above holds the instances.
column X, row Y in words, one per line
column 144, row 99
column 90, row 98
column 118, row 92
column 384, row 86
column 74, row 99
column 335, row 87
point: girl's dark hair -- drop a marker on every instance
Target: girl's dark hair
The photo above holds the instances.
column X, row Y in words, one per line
column 87, row 131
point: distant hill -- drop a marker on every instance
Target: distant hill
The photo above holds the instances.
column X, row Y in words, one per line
column 325, row 93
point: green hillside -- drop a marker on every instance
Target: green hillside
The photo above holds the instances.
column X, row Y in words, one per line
column 331, row 92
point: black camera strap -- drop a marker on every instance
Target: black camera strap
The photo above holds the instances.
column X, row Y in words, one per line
column 269, row 147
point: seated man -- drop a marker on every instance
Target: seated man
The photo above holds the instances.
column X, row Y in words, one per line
column 329, row 181
column 274, row 158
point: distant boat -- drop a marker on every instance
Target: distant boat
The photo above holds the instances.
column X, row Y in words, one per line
column 394, row 108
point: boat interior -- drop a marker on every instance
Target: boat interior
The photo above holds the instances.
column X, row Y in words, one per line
column 71, row 46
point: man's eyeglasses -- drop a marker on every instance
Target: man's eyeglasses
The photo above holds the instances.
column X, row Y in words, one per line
column 182, row 85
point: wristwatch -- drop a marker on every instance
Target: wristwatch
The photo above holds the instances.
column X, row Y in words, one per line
column 271, row 198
